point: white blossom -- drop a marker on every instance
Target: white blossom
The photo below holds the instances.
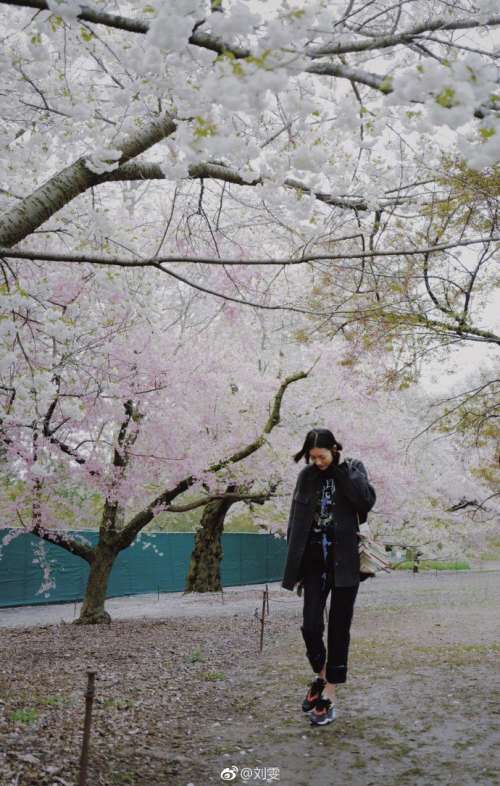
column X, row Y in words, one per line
column 103, row 159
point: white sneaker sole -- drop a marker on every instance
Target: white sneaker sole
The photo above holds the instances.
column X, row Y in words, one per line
column 324, row 722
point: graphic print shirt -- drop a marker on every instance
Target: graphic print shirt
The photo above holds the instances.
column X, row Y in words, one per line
column 323, row 519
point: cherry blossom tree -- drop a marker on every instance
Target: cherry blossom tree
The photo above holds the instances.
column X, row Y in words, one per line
column 360, row 137
column 290, row 162
column 107, row 413
column 300, row 100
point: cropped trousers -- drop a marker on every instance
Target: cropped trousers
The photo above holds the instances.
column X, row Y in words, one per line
column 317, row 585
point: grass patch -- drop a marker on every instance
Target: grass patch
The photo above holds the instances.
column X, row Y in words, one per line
column 431, row 564
column 118, row 703
column 49, row 701
column 405, row 656
column 474, row 649
column 455, row 654
column 196, row 656
column 213, row 676
column 25, row 715
column 121, row 777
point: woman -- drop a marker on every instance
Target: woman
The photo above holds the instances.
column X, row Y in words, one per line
column 330, row 500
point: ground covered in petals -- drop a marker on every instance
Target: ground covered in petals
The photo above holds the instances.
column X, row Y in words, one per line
column 179, row 700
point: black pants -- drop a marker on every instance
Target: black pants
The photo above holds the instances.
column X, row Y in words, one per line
column 317, row 586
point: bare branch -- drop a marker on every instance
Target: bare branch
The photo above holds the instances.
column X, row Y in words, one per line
column 156, row 262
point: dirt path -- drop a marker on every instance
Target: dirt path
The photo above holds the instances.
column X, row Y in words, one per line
column 161, row 606
column 183, row 698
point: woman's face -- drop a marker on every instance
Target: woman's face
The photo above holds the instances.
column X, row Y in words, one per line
column 321, row 457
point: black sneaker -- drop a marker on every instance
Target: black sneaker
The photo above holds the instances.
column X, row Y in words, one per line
column 313, row 694
column 324, row 712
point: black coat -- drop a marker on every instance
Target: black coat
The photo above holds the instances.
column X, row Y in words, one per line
column 354, row 496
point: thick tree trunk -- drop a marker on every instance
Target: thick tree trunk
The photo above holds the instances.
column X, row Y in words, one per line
column 93, row 612
column 204, row 570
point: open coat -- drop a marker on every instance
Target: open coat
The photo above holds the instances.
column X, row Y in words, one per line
column 354, row 497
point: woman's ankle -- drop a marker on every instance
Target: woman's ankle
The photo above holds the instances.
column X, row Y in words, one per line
column 329, row 691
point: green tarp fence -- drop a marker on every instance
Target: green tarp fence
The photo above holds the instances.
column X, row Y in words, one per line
column 154, row 563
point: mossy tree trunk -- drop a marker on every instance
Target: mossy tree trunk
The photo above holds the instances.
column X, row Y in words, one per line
column 93, row 611
column 204, row 569
column 109, row 546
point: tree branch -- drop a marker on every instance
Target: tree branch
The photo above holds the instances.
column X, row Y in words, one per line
column 88, row 14
column 381, row 83
column 404, row 37
column 139, row 521
column 156, row 262
column 95, row 16
column 48, row 432
column 149, row 171
column 233, row 497
column 272, row 421
column 60, row 539
column 125, row 438
column 465, row 503
column 35, row 209
column 464, row 332
column 207, row 41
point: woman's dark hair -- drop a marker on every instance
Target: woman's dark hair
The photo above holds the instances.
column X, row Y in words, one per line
column 317, row 438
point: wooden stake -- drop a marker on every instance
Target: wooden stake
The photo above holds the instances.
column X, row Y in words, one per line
column 267, row 599
column 89, row 699
column 262, row 620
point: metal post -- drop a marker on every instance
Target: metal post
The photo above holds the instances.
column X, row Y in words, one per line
column 267, row 600
column 89, row 698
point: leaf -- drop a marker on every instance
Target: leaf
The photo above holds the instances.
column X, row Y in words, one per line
column 447, row 98
column 87, row 35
